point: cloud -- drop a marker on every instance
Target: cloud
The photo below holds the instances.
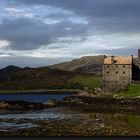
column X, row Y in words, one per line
column 129, row 50
column 4, row 44
column 93, row 8
column 50, row 29
column 106, row 15
column 29, row 34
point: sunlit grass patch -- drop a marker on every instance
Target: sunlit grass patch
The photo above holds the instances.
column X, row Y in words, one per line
column 91, row 81
column 133, row 90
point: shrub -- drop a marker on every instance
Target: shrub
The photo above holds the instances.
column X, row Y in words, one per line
column 71, row 85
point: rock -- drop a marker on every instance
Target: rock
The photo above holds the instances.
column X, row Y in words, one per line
column 31, row 106
column 20, row 105
column 51, row 102
column 16, row 106
column 137, row 97
column 86, row 88
column 83, row 93
column 98, row 90
column 72, row 99
column 4, row 104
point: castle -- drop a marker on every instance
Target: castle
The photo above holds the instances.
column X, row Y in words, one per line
column 119, row 71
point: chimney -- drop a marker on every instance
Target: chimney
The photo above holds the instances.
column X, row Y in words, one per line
column 112, row 59
column 139, row 56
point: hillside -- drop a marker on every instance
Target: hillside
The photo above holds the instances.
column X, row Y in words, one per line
column 68, row 75
column 87, row 64
column 35, row 78
column 47, row 78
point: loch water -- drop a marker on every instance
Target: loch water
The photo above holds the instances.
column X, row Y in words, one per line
column 37, row 98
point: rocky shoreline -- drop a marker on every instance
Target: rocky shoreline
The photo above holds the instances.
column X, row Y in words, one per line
column 73, row 127
column 20, row 105
column 85, row 103
column 102, row 104
column 101, row 100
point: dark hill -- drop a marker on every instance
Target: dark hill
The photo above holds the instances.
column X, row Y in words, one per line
column 35, row 78
column 9, row 69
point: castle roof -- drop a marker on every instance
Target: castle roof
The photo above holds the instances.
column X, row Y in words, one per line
column 118, row 60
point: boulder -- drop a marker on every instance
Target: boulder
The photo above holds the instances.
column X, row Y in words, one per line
column 72, row 100
column 3, row 104
column 51, row 102
column 83, row 93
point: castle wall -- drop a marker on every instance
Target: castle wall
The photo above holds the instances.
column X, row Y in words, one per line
column 139, row 58
column 116, row 77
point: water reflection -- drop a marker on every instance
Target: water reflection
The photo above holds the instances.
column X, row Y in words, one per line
column 7, row 126
column 26, row 119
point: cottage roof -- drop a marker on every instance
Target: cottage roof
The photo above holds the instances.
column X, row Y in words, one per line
column 118, row 60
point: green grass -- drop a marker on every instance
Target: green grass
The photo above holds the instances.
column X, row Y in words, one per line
column 132, row 91
column 129, row 119
column 91, row 81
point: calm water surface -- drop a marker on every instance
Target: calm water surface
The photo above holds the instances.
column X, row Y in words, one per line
column 33, row 97
column 28, row 119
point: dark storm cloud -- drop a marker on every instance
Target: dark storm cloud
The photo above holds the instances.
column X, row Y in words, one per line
column 23, row 33
column 104, row 8
column 28, row 34
column 106, row 15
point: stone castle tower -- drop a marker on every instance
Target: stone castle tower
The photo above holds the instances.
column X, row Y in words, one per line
column 117, row 72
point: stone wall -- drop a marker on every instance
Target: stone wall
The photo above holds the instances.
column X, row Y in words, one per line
column 139, row 58
column 116, row 77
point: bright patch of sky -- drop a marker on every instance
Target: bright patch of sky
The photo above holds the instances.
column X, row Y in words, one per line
column 73, row 47
column 4, row 44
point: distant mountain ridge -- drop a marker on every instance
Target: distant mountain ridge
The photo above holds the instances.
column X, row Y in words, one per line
column 86, row 64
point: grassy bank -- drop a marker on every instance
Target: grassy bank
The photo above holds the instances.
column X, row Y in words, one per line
column 133, row 90
column 64, row 81
column 91, row 81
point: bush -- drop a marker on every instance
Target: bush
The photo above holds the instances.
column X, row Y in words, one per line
column 71, row 85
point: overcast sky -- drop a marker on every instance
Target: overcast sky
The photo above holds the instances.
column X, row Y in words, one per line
column 42, row 32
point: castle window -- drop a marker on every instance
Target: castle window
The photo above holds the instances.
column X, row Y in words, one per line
column 107, row 66
column 123, row 66
column 107, row 72
column 123, row 72
column 116, row 66
column 124, row 82
column 116, row 72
